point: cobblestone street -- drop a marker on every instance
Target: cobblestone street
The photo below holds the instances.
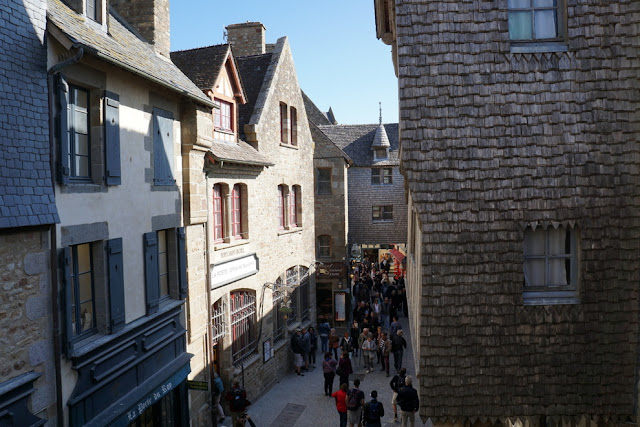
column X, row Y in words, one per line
column 300, row 401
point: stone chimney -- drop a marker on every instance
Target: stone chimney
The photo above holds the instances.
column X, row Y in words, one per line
column 246, row 39
column 150, row 18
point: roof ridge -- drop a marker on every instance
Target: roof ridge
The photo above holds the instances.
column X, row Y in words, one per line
column 199, row 48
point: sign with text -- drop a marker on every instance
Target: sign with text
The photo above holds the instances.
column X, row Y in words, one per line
column 233, row 270
column 340, row 304
column 198, row 385
column 332, row 270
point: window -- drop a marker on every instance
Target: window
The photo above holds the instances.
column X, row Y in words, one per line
column 92, row 9
column 550, row 265
column 79, row 147
column 535, row 20
column 82, row 289
column 380, row 154
column 218, row 322
column 165, row 266
column 305, row 295
column 282, row 197
column 381, row 176
column 162, row 147
column 236, row 211
column 292, row 281
column 324, row 246
column 243, row 325
column 279, row 321
column 324, row 181
column 223, row 117
column 218, row 214
column 284, row 123
column 293, row 206
column 382, row 213
column 294, row 126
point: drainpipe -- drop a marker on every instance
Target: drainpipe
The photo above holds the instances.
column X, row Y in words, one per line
column 209, row 340
column 53, row 259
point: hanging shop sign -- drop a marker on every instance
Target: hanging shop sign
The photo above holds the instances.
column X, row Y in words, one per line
column 232, row 270
column 332, row 270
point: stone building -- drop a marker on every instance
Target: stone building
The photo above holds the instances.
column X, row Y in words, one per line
column 332, row 218
column 27, row 217
column 377, row 210
column 123, row 115
column 519, row 132
column 250, row 196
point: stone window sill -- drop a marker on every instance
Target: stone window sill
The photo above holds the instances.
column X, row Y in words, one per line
column 222, row 245
column 290, row 231
column 285, row 145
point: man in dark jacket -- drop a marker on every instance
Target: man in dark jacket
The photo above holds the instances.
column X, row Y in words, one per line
column 408, row 402
column 373, row 411
column 237, row 398
column 297, row 346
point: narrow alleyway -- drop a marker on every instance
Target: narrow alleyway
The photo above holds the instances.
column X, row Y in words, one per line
column 300, row 401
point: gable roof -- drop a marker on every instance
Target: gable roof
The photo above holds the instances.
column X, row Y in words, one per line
column 314, row 115
column 122, row 47
column 253, row 70
column 202, row 65
column 356, row 141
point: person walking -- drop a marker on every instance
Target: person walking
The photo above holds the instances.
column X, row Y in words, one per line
column 334, row 342
column 373, row 411
column 355, row 333
column 355, row 403
column 329, row 370
column 398, row 344
column 395, row 325
column 237, row 398
column 314, row 346
column 385, row 347
column 341, row 403
column 385, row 313
column 408, row 402
column 218, row 389
column 369, row 352
column 397, row 382
column 297, row 347
column 323, row 330
column 344, row 368
column 346, row 343
column 306, row 345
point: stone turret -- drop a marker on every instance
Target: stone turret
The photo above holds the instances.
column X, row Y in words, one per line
column 150, row 18
column 247, row 38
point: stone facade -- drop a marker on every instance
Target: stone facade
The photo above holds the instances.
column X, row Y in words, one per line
column 150, row 19
column 501, row 140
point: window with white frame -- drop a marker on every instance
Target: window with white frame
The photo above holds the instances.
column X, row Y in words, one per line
column 218, row 321
column 243, row 325
column 536, row 20
column 550, row 265
column 82, row 289
column 223, row 116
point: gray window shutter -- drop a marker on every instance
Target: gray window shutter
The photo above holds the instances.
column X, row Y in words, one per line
column 162, row 147
column 65, row 266
column 151, row 272
column 63, row 130
column 116, row 284
column 112, row 138
column 182, row 264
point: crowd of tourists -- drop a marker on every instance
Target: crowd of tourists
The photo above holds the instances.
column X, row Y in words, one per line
column 375, row 337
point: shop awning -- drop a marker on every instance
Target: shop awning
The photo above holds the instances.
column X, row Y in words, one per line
column 397, row 254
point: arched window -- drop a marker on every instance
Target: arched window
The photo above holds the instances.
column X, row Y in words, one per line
column 243, row 325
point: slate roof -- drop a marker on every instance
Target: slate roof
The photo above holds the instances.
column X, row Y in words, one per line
column 314, row 115
column 123, row 48
column 241, row 152
column 252, row 71
column 356, row 142
column 202, row 65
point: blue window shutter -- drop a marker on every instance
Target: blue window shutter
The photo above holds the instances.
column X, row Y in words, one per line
column 65, row 266
column 162, row 147
column 64, row 170
column 116, row 284
column 112, row 138
column 182, row 264
column 152, row 283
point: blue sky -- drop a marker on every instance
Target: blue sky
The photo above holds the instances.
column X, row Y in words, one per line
column 340, row 62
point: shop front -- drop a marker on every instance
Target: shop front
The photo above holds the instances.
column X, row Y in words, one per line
column 332, row 293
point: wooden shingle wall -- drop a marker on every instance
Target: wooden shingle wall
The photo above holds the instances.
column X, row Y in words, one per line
column 493, row 141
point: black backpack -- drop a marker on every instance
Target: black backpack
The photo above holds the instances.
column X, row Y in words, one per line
column 397, row 383
column 237, row 402
column 353, row 402
column 374, row 411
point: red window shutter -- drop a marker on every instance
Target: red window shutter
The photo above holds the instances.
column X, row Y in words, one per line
column 293, row 214
column 218, row 235
column 281, row 206
column 236, row 211
column 294, row 126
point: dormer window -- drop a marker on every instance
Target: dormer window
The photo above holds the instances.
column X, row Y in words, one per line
column 92, row 9
column 380, row 154
column 222, row 117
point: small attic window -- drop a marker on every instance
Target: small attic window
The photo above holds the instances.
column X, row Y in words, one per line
column 92, row 9
column 380, row 154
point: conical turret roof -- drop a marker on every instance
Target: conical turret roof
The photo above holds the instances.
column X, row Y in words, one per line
column 380, row 139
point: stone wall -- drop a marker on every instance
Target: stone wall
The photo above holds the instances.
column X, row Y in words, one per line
column 501, row 141
column 247, row 38
column 363, row 196
column 150, row 18
column 26, row 343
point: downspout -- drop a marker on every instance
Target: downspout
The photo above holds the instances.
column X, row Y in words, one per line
column 209, row 312
column 53, row 259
